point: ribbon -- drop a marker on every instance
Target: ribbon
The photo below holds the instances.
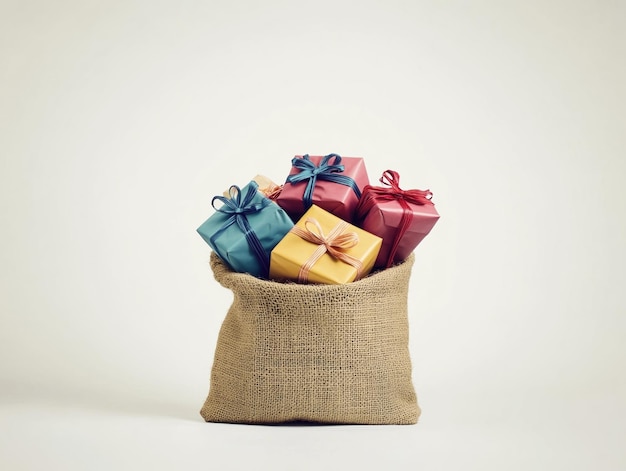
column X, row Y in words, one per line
column 271, row 191
column 238, row 207
column 310, row 173
column 373, row 195
column 335, row 244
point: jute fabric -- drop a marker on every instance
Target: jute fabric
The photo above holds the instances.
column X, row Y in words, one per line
column 318, row 353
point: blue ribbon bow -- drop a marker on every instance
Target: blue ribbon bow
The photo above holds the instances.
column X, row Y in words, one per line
column 238, row 207
column 311, row 173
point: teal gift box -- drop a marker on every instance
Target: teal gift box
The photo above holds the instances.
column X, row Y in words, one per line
column 245, row 229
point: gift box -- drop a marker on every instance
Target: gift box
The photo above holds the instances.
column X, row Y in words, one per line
column 245, row 229
column 266, row 186
column 322, row 248
column 401, row 217
column 332, row 182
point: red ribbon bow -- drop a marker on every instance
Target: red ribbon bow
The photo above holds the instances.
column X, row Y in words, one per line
column 377, row 194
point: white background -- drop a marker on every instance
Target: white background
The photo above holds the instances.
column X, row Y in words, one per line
column 119, row 121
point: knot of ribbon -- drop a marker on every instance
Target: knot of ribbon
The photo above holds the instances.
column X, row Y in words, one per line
column 374, row 194
column 237, row 207
column 311, row 173
column 335, row 244
column 391, row 178
column 271, row 191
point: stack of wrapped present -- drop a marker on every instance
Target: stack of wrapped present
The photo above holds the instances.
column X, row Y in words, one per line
column 325, row 224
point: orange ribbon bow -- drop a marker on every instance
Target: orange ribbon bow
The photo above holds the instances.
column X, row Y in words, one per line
column 335, row 244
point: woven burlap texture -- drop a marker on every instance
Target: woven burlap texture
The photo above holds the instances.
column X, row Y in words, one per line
column 319, row 353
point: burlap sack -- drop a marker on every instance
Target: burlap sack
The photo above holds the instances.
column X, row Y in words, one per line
column 320, row 353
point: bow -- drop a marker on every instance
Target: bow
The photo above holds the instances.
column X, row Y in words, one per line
column 335, row 244
column 237, row 207
column 310, row 173
column 271, row 191
column 391, row 178
column 373, row 195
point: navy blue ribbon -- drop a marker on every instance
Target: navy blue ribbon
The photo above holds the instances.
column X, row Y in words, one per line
column 238, row 207
column 310, row 173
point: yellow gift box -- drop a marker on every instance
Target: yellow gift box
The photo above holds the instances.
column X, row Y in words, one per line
column 322, row 248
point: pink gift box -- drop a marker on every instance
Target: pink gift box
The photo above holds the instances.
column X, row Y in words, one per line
column 336, row 198
column 384, row 220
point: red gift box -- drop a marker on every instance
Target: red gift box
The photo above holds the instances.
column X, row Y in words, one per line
column 402, row 218
column 331, row 182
